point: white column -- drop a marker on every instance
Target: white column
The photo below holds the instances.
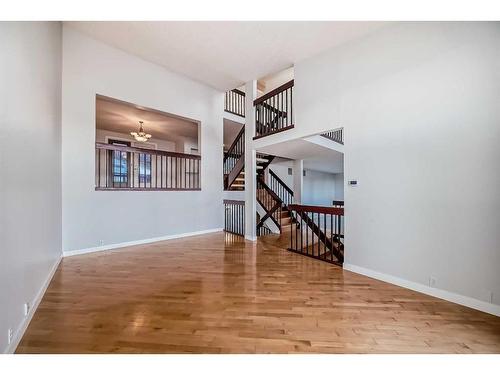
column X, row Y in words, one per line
column 250, row 163
column 298, row 180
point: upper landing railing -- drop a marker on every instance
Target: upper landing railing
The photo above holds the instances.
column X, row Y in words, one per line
column 274, row 111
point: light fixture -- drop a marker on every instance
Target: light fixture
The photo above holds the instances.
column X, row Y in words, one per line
column 141, row 136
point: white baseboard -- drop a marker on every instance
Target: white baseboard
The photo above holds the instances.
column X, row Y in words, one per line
column 69, row 253
column 439, row 293
column 18, row 335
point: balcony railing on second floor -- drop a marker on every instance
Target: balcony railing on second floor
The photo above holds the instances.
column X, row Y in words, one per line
column 132, row 168
column 234, row 102
column 274, row 111
column 336, row 135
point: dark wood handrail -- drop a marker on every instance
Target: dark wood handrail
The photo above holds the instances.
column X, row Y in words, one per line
column 269, row 190
column 233, row 145
column 274, row 92
column 317, row 209
column 106, row 146
column 285, row 186
column 231, row 201
column 239, row 92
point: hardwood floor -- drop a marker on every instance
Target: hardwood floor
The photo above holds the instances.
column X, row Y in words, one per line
column 219, row 294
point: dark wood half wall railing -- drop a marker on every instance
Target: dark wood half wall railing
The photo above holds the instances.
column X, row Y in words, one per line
column 318, row 232
column 234, row 102
column 132, row 168
column 234, row 217
column 274, row 111
column 336, row 135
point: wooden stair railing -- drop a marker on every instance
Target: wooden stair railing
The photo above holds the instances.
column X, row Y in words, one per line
column 234, row 159
column 280, row 188
column 274, row 111
column 318, row 232
column 234, row 102
column 271, row 203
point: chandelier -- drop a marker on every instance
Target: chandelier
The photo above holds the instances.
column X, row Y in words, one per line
column 141, row 136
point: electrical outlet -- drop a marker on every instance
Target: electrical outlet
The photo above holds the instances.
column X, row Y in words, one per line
column 27, row 308
column 432, row 282
column 101, row 242
column 10, row 335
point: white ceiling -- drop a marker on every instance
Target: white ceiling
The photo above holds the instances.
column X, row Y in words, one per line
column 225, row 55
column 117, row 116
column 315, row 157
column 231, row 130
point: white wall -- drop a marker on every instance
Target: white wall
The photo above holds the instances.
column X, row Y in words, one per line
column 339, row 186
column 161, row 144
column 30, row 161
column 420, row 106
column 281, row 170
column 91, row 67
column 319, row 188
column 274, row 81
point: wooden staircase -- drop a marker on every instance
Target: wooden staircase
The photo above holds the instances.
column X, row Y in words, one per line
column 234, row 178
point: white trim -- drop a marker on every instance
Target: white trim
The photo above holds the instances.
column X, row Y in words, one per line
column 18, row 335
column 69, row 253
column 473, row 303
column 234, row 118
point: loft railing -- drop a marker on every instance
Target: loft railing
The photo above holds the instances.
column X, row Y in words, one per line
column 318, row 232
column 234, row 217
column 274, row 111
column 271, row 203
column 234, row 102
column 336, row 135
column 133, row 168
column 280, row 188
